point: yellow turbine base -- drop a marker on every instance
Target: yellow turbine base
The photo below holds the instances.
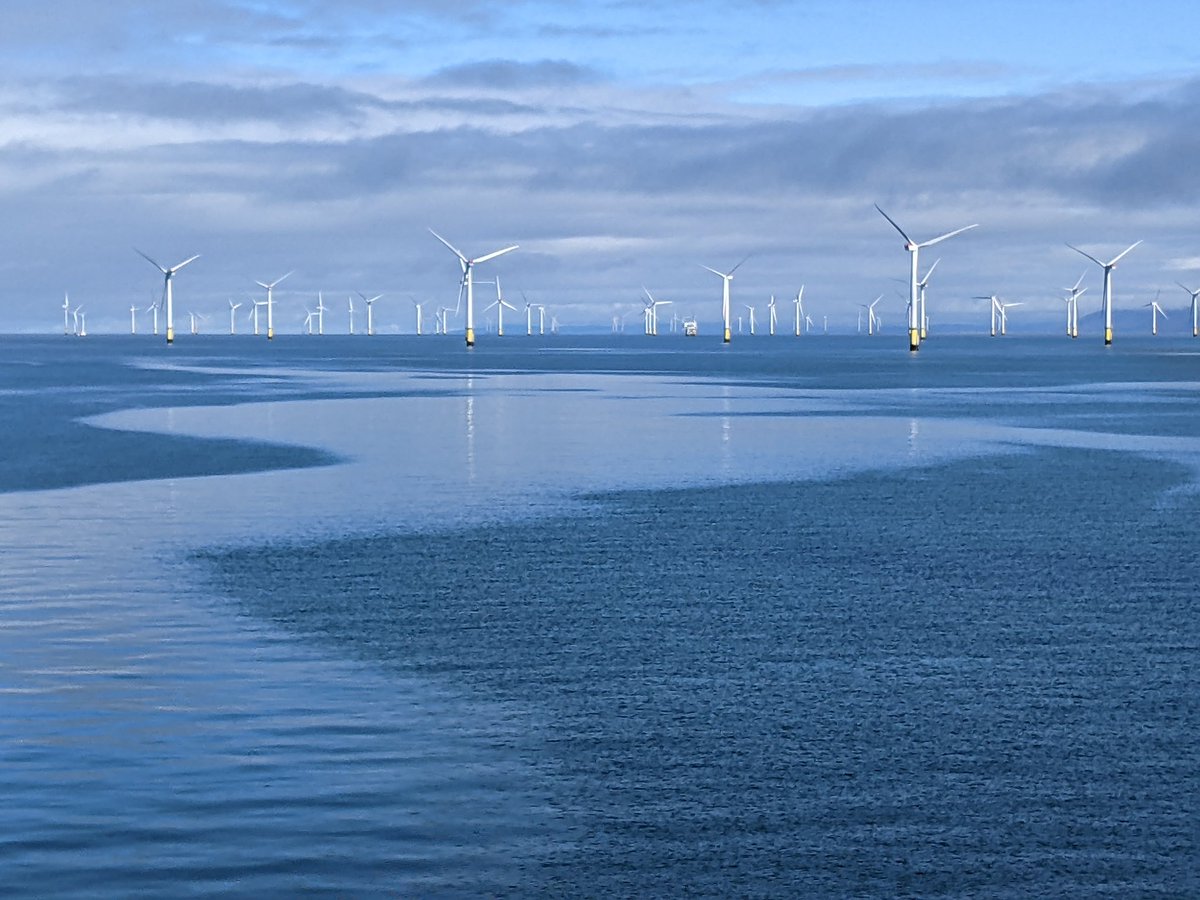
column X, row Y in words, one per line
column 470, row 337
column 1107, row 336
column 914, row 340
column 170, row 335
column 270, row 334
column 727, row 335
column 923, row 334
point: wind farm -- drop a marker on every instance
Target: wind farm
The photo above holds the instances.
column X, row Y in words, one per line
column 888, row 594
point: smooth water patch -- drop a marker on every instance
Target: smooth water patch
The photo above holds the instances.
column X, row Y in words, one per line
column 972, row 678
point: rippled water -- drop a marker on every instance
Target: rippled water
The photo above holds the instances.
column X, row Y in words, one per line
column 599, row 617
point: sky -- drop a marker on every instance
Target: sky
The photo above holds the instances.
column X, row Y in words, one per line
column 622, row 145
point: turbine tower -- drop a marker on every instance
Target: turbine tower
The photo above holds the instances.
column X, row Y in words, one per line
column 726, row 277
column 67, row 313
column 872, row 319
column 922, row 316
column 321, row 310
column 133, row 319
column 168, row 274
column 1106, row 296
column 233, row 308
column 468, row 279
column 1195, row 317
column 914, row 307
column 271, row 304
column 800, row 314
column 771, row 317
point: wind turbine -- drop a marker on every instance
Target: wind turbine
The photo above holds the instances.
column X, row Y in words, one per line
column 726, row 277
column 501, row 304
column 308, row 320
column 66, row 307
column 1073, row 307
column 651, row 312
column 82, row 322
column 995, row 305
column 153, row 309
column 771, row 315
column 799, row 303
column 872, row 319
column 751, row 308
column 75, row 320
column 468, row 279
column 913, row 248
column 1106, row 298
column 254, row 313
column 1155, row 312
column 922, row 316
column 168, row 274
column 528, row 315
column 370, row 302
column 271, row 304
column 541, row 308
column 321, row 310
column 1003, row 309
column 417, row 309
column 233, row 308
column 1195, row 317
column 132, row 319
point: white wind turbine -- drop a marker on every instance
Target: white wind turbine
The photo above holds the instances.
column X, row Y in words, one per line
column 1106, row 299
column 1155, row 312
column 82, row 329
column 1003, row 309
column 1195, row 310
column 541, row 308
column 417, row 309
column 751, row 308
column 726, row 278
column 799, row 303
column 350, row 304
column 995, row 301
column 914, row 248
column 468, row 280
column 771, row 315
column 370, row 302
column 501, row 304
column 168, row 275
column 308, row 320
column 66, row 308
column 233, row 308
column 1073, row 294
column 528, row 315
column 271, row 304
column 153, row 310
column 872, row 319
column 254, row 313
column 132, row 319
column 321, row 310
column 922, row 315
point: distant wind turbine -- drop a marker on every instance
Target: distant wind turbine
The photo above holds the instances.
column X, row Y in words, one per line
column 799, row 303
column 66, row 308
column 132, row 319
column 1107, row 297
column 994, row 301
column 168, row 275
column 922, row 315
column 914, row 248
column 468, row 280
column 417, row 309
column 771, row 316
column 370, row 303
column 321, row 310
column 726, row 278
column 271, row 304
column 501, row 304
column 1195, row 317
column 82, row 321
column 1155, row 312
column 1073, row 294
column 233, row 308
column 872, row 319
column 751, row 308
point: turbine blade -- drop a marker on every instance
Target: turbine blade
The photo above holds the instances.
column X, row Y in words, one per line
column 1123, row 252
column 894, row 225
column 715, row 272
column 453, row 249
column 176, row 268
column 1088, row 255
column 280, row 278
column 930, row 272
column 148, row 259
column 739, row 265
column 948, row 234
column 494, row 255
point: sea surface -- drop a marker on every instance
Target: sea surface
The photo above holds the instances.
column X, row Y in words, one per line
column 599, row 616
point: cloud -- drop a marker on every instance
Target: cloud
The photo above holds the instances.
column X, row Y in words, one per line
column 507, row 75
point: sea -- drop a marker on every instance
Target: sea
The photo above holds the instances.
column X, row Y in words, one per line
column 599, row 616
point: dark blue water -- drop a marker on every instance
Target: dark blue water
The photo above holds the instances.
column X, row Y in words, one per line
column 957, row 657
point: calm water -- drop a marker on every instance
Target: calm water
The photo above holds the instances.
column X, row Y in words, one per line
column 599, row 617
